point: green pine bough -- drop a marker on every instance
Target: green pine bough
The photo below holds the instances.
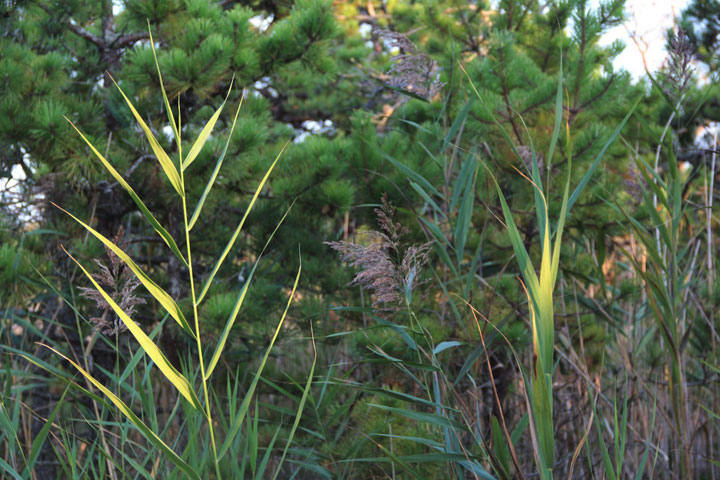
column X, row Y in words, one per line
column 539, row 287
column 185, row 386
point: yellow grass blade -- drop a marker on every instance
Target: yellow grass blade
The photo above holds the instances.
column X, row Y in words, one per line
column 158, row 293
column 171, row 118
column 230, row 243
column 238, row 303
column 165, row 162
column 205, row 132
column 216, row 170
column 238, row 419
column 149, row 434
column 169, row 240
column 176, row 378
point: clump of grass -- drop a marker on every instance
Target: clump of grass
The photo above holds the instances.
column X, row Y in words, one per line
column 113, row 291
column 539, row 285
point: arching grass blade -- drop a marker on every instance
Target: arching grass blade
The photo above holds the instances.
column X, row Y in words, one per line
column 214, row 174
column 148, row 215
column 232, row 240
column 167, row 165
column 176, row 378
column 158, row 293
column 146, row 431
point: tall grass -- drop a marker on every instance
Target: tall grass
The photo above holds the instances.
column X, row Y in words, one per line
column 631, row 418
column 540, row 286
column 204, row 415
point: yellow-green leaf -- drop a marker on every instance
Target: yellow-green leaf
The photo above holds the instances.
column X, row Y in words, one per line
column 171, row 118
column 158, row 293
column 214, row 175
column 149, row 434
column 169, row 240
column 165, row 162
column 176, row 378
column 230, row 243
column 238, row 303
column 237, row 421
column 205, row 132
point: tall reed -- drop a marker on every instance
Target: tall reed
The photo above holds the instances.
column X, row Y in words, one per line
column 185, row 384
column 540, row 287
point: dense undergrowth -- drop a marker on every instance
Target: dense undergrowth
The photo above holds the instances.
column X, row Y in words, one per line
column 491, row 329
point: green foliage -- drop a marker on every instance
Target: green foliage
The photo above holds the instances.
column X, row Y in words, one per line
column 441, row 106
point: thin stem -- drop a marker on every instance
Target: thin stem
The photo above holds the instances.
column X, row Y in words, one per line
column 197, row 318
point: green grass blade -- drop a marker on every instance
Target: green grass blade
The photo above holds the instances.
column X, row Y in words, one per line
column 561, row 225
column 167, row 165
column 298, row 415
column 541, row 206
column 9, row 428
column 607, row 462
column 158, row 293
column 177, row 379
column 260, row 474
column 422, row 417
column 5, row 467
column 464, row 176
column 500, row 448
column 457, row 123
column 394, row 458
column 238, row 304
column 427, row 198
column 148, row 215
column 407, row 171
column 146, row 431
column 231, row 242
column 558, row 118
column 238, row 419
column 216, row 170
column 523, row 259
column 39, row 439
column 205, row 132
column 465, row 213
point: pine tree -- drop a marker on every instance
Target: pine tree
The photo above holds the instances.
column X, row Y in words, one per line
column 377, row 98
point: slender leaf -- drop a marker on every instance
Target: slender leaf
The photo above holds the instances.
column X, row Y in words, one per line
column 457, row 123
column 442, row 346
column 205, row 132
column 238, row 303
column 558, row 118
column 158, row 293
column 146, row 431
column 238, row 418
column 176, row 378
column 167, row 165
column 5, row 467
column 231, row 242
column 259, row 475
column 408, row 172
column 298, row 415
column 464, row 217
column 171, row 118
column 214, row 174
column 427, row 198
column 148, row 215
column 421, row 417
column 39, row 439
column 586, row 178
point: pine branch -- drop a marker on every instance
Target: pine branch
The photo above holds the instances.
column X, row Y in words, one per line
column 122, row 41
column 81, row 32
